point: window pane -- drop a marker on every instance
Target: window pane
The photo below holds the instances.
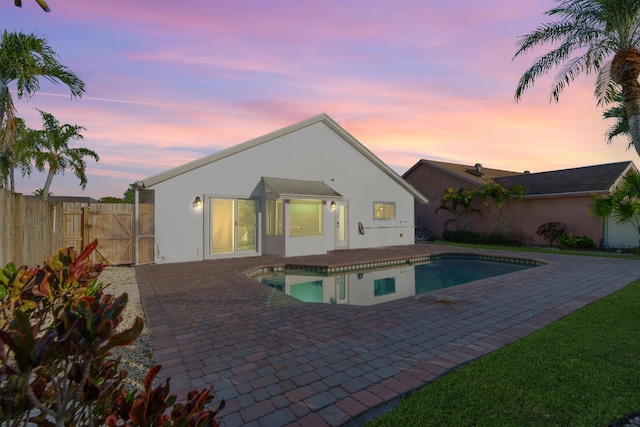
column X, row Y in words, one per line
column 389, row 211
column 305, row 218
column 384, row 210
column 246, row 239
column 222, row 225
column 274, row 217
column 384, row 286
column 308, row 291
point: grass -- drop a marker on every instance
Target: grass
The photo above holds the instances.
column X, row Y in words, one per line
column 540, row 249
column 582, row 370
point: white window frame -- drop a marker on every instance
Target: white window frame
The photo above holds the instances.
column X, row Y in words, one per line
column 384, row 210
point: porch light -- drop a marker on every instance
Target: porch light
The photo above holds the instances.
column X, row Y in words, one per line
column 197, row 202
column 332, row 205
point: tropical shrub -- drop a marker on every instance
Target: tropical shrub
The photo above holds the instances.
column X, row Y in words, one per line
column 569, row 241
column 57, row 327
column 458, row 204
column 496, row 200
column 623, row 203
column 551, row 231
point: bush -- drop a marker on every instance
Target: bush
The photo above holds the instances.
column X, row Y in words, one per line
column 473, row 237
column 569, row 241
column 551, row 231
column 56, row 368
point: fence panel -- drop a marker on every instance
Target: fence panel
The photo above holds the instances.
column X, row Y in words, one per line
column 145, row 233
column 31, row 229
column 110, row 223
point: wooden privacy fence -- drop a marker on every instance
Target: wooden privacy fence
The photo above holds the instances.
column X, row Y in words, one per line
column 30, row 229
column 113, row 224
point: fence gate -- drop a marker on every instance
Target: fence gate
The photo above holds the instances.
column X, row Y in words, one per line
column 111, row 223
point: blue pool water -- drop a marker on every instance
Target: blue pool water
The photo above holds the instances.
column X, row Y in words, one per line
column 369, row 287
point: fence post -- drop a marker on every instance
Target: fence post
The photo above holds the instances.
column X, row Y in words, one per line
column 85, row 226
column 18, row 229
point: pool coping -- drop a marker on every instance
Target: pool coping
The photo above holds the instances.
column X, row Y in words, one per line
column 331, row 270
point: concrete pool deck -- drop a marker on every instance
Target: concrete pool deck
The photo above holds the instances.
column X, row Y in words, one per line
column 278, row 361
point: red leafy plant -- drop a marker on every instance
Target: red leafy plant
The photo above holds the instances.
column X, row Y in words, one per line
column 57, row 327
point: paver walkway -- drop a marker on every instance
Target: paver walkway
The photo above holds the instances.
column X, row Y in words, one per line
column 278, row 361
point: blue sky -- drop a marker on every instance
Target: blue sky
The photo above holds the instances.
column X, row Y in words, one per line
column 170, row 81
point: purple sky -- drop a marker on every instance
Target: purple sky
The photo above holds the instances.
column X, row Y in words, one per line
column 171, row 81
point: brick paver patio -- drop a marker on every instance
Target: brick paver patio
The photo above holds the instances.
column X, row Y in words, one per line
column 278, row 361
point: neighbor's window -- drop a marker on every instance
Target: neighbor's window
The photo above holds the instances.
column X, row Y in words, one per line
column 384, row 286
column 275, row 215
column 305, row 218
column 384, row 210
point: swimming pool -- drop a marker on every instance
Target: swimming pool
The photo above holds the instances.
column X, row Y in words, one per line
column 374, row 286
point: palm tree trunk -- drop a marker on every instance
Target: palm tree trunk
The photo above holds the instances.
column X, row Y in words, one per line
column 625, row 68
column 12, row 179
column 47, row 184
column 4, row 93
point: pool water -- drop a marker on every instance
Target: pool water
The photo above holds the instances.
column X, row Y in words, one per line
column 369, row 287
column 451, row 272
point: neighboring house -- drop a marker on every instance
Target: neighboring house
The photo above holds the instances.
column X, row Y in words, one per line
column 562, row 195
column 302, row 190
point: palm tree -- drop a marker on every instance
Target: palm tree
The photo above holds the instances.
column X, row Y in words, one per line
column 458, row 204
column 41, row 3
column 17, row 155
column 24, row 58
column 500, row 198
column 619, row 113
column 623, row 203
column 605, row 36
column 55, row 154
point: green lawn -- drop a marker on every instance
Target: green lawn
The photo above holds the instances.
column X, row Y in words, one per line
column 583, row 370
column 540, row 249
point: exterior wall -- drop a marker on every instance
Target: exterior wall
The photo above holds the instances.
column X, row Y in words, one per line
column 360, row 290
column 528, row 215
column 313, row 153
column 620, row 235
column 433, row 183
column 524, row 217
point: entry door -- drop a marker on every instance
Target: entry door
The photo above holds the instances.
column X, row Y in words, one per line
column 233, row 225
column 342, row 225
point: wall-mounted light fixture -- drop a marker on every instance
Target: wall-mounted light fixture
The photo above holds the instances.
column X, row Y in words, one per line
column 197, row 202
column 332, row 205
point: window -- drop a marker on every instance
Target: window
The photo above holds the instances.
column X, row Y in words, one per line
column 275, row 215
column 305, row 218
column 384, row 210
column 384, row 286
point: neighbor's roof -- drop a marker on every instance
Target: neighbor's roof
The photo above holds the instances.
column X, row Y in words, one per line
column 284, row 188
column 587, row 179
column 321, row 118
column 466, row 172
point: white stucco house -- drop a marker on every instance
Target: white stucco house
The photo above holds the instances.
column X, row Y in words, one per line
column 305, row 189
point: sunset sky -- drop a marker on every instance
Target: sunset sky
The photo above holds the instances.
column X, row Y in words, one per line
column 169, row 81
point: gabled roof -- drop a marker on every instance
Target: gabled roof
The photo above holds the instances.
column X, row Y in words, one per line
column 476, row 174
column 321, row 118
column 587, row 179
column 582, row 180
column 284, row 188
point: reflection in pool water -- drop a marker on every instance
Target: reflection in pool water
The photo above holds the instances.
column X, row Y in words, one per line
column 377, row 286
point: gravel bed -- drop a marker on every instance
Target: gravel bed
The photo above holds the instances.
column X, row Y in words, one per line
column 137, row 358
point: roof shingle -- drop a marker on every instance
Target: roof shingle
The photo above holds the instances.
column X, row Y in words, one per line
column 587, row 179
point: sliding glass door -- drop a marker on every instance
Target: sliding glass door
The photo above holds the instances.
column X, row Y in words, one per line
column 233, row 225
